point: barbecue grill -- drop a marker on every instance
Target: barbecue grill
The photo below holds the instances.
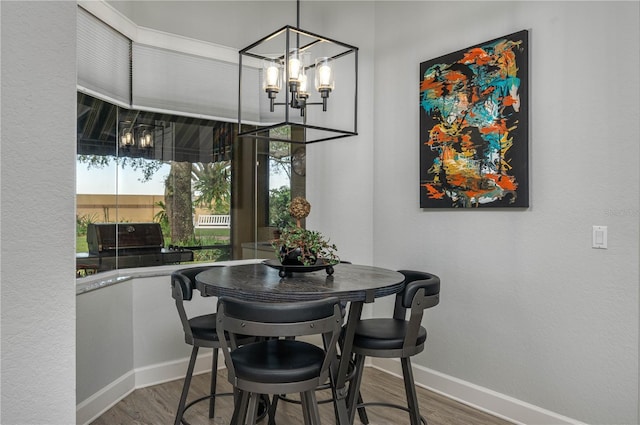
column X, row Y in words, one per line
column 126, row 245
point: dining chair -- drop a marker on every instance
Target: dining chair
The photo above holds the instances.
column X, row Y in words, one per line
column 199, row 331
column 277, row 363
column 396, row 337
column 326, row 385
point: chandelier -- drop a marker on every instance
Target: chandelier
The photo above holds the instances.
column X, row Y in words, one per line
column 307, row 87
column 139, row 136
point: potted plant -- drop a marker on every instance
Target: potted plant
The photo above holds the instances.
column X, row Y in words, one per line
column 298, row 246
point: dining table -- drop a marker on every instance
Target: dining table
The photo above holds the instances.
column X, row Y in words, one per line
column 268, row 281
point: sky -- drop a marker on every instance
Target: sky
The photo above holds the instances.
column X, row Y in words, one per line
column 103, row 180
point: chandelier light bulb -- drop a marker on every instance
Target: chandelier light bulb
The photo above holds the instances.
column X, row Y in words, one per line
column 324, row 74
column 297, row 63
column 294, row 69
column 272, row 76
column 126, row 139
column 146, row 140
column 303, row 84
column 271, row 70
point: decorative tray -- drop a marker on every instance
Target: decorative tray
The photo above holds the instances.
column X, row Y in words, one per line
column 288, row 269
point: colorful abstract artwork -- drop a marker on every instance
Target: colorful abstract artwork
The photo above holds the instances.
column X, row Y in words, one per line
column 474, row 126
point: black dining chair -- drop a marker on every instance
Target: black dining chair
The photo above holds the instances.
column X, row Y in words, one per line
column 396, row 337
column 278, row 364
column 199, row 331
column 326, row 385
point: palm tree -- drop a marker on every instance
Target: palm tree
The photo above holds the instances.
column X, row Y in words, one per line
column 162, row 217
column 212, row 185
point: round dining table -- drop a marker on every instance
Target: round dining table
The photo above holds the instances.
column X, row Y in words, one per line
column 356, row 284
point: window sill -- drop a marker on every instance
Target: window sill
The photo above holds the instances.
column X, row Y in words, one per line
column 113, row 277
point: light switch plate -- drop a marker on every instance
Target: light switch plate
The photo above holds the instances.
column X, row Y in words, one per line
column 599, row 239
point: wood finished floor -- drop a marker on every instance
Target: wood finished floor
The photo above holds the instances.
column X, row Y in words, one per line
column 156, row 405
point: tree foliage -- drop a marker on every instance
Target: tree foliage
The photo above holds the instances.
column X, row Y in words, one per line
column 280, row 158
column 279, row 200
column 212, row 186
column 148, row 167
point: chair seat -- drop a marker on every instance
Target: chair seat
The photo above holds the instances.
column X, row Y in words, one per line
column 204, row 327
column 384, row 334
column 278, row 361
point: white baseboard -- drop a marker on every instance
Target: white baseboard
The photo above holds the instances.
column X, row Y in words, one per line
column 478, row 397
column 94, row 406
column 170, row 371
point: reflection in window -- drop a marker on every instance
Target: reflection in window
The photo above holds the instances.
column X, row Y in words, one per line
column 279, row 185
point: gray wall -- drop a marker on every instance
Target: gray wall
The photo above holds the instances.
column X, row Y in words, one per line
column 105, row 337
column 528, row 308
column 38, row 203
column 129, row 333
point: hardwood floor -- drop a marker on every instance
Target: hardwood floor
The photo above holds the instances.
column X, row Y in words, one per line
column 156, row 405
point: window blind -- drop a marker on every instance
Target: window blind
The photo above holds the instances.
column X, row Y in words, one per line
column 103, row 59
column 167, row 80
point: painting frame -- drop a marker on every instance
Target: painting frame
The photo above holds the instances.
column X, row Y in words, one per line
column 474, row 126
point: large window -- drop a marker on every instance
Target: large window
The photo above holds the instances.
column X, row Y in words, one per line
column 156, row 189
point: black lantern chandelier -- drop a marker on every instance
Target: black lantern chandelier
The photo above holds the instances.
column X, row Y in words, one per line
column 140, row 137
column 298, row 70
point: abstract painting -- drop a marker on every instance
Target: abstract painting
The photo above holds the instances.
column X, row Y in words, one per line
column 474, row 126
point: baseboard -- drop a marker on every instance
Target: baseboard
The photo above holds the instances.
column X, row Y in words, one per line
column 484, row 399
column 170, row 371
column 94, row 406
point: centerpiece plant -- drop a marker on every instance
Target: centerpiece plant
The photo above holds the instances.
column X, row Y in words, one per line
column 299, row 246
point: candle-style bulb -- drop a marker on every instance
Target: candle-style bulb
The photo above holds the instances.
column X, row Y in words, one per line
column 324, row 75
column 271, row 75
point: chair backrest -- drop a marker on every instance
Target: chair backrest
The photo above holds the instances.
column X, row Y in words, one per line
column 240, row 318
column 414, row 281
column 183, row 283
column 421, row 291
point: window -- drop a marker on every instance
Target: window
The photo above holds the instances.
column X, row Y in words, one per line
column 156, row 189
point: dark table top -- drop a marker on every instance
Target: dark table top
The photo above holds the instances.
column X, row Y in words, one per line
column 258, row 282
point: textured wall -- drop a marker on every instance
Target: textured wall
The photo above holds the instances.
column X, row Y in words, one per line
column 37, row 159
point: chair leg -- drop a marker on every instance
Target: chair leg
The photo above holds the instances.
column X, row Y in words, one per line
column 272, row 409
column 306, row 419
column 252, row 410
column 362, row 412
column 240, row 409
column 186, row 385
column 410, row 389
column 214, row 380
column 354, row 386
column 237, row 401
column 310, row 408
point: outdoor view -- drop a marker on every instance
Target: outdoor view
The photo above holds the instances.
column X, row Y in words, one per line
column 143, row 174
